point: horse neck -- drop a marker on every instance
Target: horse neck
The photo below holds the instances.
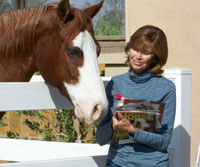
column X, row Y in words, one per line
column 17, row 41
column 17, row 31
column 17, row 70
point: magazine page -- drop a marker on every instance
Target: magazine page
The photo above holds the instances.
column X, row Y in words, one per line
column 144, row 115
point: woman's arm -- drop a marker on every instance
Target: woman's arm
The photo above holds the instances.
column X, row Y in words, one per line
column 104, row 131
column 161, row 140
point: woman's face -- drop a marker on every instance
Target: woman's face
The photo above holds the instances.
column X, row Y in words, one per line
column 140, row 62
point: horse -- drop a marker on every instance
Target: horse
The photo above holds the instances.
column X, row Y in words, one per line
column 58, row 41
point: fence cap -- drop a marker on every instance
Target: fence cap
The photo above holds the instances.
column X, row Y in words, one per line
column 178, row 71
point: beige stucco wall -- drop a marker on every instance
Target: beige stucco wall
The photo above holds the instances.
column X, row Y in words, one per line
column 180, row 20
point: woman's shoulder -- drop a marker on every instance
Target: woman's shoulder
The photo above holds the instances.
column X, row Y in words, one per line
column 117, row 80
column 163, row 81
column 120, row 77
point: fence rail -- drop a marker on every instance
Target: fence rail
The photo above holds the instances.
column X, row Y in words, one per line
column 39, row 95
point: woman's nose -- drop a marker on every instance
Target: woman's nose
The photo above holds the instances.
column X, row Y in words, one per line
column 138, row 55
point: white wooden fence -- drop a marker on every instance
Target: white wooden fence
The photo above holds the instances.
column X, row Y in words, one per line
column 38, row 95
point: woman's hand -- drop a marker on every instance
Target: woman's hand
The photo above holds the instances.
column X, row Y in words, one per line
column 122, row 124
column 121, row 102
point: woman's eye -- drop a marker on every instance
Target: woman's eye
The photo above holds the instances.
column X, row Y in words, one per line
column 146, row 53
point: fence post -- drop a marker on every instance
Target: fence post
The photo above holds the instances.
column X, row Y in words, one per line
column 179, row 148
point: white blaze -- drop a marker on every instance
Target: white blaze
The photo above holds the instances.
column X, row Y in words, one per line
column 89, row 91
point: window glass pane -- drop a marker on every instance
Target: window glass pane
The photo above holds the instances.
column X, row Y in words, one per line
column 111, row 18
column 30, row 3
column 7, row 5
column 109, row 21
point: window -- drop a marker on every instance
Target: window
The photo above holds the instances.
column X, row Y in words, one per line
column 7, row 5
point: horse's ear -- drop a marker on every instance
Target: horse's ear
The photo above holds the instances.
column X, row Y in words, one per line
column 64, row 10
column 93, row 10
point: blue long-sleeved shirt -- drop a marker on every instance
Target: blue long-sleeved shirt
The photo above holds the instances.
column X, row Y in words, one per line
column 149, row 149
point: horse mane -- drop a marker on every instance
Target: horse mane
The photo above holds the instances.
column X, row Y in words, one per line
column 17, row 30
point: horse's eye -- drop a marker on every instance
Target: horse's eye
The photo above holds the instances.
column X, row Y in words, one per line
column 73, row 52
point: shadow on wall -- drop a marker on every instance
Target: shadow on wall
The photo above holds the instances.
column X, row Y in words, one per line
column 179, row 148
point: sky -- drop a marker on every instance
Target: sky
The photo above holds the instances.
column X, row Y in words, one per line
column 77, row 3
column 80, row 4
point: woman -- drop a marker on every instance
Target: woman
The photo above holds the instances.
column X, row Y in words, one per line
column 147, row 53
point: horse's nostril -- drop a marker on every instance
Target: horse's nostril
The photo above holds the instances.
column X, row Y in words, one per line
column 96, row 113
column 79, row 112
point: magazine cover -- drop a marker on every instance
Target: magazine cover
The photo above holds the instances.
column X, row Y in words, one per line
column 144, row 115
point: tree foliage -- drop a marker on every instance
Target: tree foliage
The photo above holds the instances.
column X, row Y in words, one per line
column 112, row 18
column 5, row 6
column 108, row 25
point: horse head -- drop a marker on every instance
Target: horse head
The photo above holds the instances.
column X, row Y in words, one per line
column 66, row 54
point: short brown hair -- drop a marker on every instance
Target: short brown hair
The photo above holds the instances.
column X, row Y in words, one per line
column 153, row 40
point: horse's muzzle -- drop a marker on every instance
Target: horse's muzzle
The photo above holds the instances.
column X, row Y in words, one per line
column 97, row 114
